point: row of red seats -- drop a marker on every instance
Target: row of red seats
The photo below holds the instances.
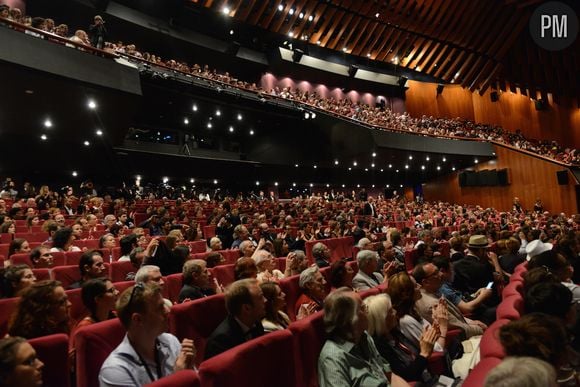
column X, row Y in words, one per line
column 511, row 308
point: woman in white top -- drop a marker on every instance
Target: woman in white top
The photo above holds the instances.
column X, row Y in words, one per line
column 63, row 240
column 275, row 318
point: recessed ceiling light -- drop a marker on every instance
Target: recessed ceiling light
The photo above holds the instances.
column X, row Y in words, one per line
column 382, row 170
column 291, row 34
column 476, row 161
column 423, row 167
column 251, row 132
column 444, row 159
column 301, row 15
column 74, row 173
column 453, row 169
column 373, row 186
column 335, row 162
column 354, row 163
column 231, row 32
column 397, row 171
column 291, row 12
column 374, row 154
column 318, row 42
column 295, row 165
column 280, row 7
column 209, row 125
column 293, row 184
column 310, row 18
column 239, row 117
column 225, row 10
column 48, row 123
column 43, row 137
column 218, row 113
column 315, row 166
column 311, row 185
column 231, row 129
column 165, row 180
column 406, row 166
column 92, row 104
column 194, row 107
column 401, row 186
column 388, row 185
column 257, row 183
column 192, row 180
column 215, row 181
column 344, row 49
column 366, row 169
column 276, row 183
column 87, row 143
column 410, row 157
column 427, row 158
column 372, row 165
column 186, row 121
column 349, row 168
column 99, row 132
column 369, row 55
column 377, row 15
column 390, row 165
column 438, row 168
column 29, row 91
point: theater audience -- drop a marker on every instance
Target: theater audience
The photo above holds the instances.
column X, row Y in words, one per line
column 43, row 309
column 18, row 246
column 150, row 274
column 147, row 353
column 127, row 244
column 214, row 259
column 349, row 356
column 245, row 268
column 367, row 278
column 341, row 275
column 559, row 266
column 266, row 265
column 517, row 371
column 62, row 240
column 41, row 257
column 321, row 254
column 19, row 366
column 245, row 304
column 511, row 258
column 14, row 279
column 91, row 265
column 275, row 318
column 196, row 281
column 136, row 257
column 313, row 286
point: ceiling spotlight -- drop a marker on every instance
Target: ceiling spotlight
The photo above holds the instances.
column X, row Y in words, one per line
column 231, row 32
column 43, row 137
column 366, row 169
column 251, row 132
column 453, row 169
column 311, row 185
column 358, row 186
column 401, row 186
column 295, row 165
column 291, row 12
column 239, row 117
column 422, row 167
column 373, row 186
column 406, row 166
column 372, row 165
column 382, row 170
column 280, row 7
column 315, row 166
column 218, row 113
column 369, row 55
column 301, row 16
column 194, row 107
column 306, row 115
column 231, row 129
column 310, row 18
column 374, row 154
column 225, row 10
column 92, row 104
column 444, row 159
column 335, row 162
column 276, row 183
column 410, row 157
column 438, row 168
column 99, row 132
column 186, row 121
column 313, row 115
column 75, row 174
column 215, row 181
column 476, row 161
column 388, row 185
column 390, row 165
column 138, row 177
column 291, row 34
column 87, row 143
column 293, row 184
column 427, row 158
column 397, row 171
column 209, row 125
column 257, row 183
column 165, row 180
column 349, row 168
column 48, row 123
column 192, row 180
column 344, row 49
column 318, row 42
column 343, row 186
column 377, row 15
column 354, row 163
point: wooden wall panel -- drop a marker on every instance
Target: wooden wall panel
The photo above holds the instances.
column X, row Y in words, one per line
column 529, row 178
column 561, row 122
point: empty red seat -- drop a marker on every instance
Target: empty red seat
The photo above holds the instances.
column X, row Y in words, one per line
column 224, row 274
column 490, row 346
column 67, row 275
column 208, row 231
column 197, row 320
column 119, row 270
column 239, row 366
column 309, row 337
column 197, row 247
column 52, row 350
column 73, row 257
column 7, row 307
column 184, row 378
column 94, row 343
column 173, row 284
column 88, row 243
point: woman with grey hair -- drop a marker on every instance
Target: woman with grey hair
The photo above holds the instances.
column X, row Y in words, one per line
column 522, row 371
column 349, row 356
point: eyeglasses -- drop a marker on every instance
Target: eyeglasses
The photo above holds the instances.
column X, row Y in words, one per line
column 138, row 286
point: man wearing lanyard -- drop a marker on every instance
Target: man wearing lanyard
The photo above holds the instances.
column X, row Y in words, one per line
column 146, row 353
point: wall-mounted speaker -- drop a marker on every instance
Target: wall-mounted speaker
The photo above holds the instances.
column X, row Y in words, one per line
column 541, row 105
column 494, row 96
column 562, row 177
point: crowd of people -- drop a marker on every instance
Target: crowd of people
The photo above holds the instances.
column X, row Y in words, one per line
column 375, row 116
column 464, row 256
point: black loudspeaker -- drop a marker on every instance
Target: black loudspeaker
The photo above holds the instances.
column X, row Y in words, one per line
column 562, row 177
column 502, row 177
column 233, row 48
column 440, row 88
column 494, row 96
column 462, row 177
column 541, row 105
column 297, row 55
column 352, row 70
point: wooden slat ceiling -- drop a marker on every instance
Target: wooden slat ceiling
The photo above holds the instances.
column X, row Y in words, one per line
column 479, row 44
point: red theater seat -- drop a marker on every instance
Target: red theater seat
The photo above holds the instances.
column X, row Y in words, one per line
column 119, row 270
column 53, row 352
column 514, row 288
column 511, row 308
column 197, row 247
column 197, row 320
column 94, row 343
column 185, row 378
column 490, row 345
column 32, row 236
column 410, row 259
column 73, row 257
column 224, row 274
column 7, row 307
column 251, row 365
column 476, row 377
column 41, row 274
column 67, row 275
column 173, row 284
column 208, row 231
column 309, row 339
column 290, row 286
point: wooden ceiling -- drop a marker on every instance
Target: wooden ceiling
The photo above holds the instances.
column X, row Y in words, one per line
column 479, row 44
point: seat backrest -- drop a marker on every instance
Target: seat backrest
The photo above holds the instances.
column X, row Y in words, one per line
column 94, row 343
column 21, row 259
column 208, row 231
column 183, row 378
column 197, row 320
column 41, row 274
column 119, row 270
column 73, row 257
column 490, row 346
column 476, row 377
column 52, row 350
column 224, row 274
column 7, row 307
column 77, row 309
column 233, row 367
column 197, row 247
column 511, row 308
column 32, row 236
column 67, row 275
column 290, row 286
column 410, row 259
column 308, row 335
column 173, row 284
column 514, row 288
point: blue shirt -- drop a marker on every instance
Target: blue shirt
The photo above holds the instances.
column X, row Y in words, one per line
column 451, row 294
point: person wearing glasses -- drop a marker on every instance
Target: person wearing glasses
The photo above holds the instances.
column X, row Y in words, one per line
column 349, row 356
column 19, row 366
column 147, row 353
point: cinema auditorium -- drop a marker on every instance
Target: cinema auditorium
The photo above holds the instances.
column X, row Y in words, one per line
column 289, row 193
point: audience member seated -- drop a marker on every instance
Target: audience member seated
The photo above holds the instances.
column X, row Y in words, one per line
column 341, row 275
column 474, row 306
column 365, row 244
column 245, row 268
column 313, row 287
column 404, row 292
column 559, row 266
column 43, row 309
column 321, row 254
column 275, row 318
column 107, row 241
column 168, row 261
column 367, row 277
column 41, row 258
column 18, row 246
column 544, row 337
column 515, row 371
column 349, row 356
column 91, row 265
column 19, row 366
column 150, row 274
column 146, row 353
column 127, row 244
column 14, row 279
column 62, row 240
column 405, row 358
column 296, row 263
column 214, row 259
column 245, row 304
column 512, row 258
column 457, row 248
column 266, row 265
column 215, row 244
column 136, row 256
column 247, row 249
column 196, row 281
